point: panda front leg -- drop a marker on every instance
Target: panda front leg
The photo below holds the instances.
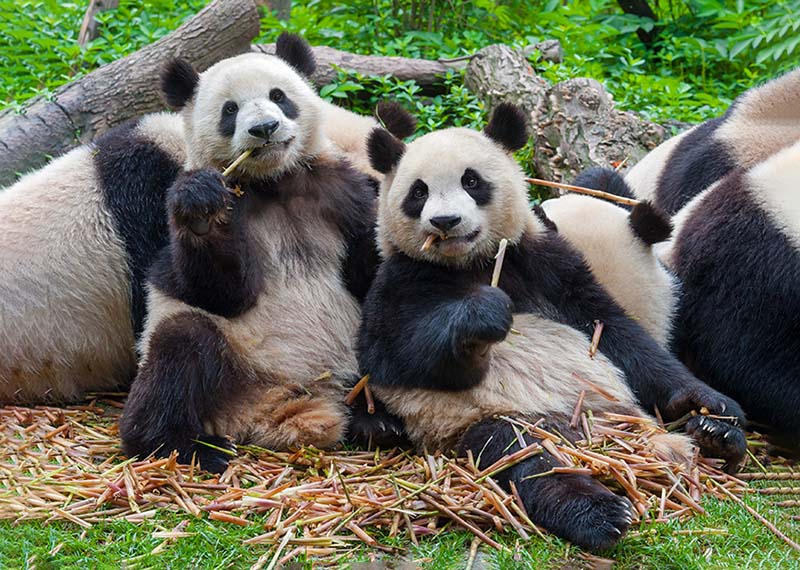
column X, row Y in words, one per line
column 189, row 372
column 575, row 507
column 210, row 263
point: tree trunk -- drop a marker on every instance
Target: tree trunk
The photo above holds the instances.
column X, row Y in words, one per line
column 424, row 72
column 641, row 8
column 126, row 88
column 89, row 30
column 282, row 8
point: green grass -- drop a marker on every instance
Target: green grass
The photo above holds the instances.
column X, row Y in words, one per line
column 747, row 544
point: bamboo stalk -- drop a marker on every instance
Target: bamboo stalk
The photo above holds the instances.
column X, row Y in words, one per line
column 587, row 191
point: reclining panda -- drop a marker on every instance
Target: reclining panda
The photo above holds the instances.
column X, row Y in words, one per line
column 435, row 336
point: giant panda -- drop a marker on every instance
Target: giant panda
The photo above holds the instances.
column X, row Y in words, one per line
column 618, row 245
column 759, row 123
column 254, row 305
column 434, row 336
column 736, row 251
column 76, row 238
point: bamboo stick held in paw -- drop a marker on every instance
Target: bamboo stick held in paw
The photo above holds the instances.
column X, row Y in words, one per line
column 498, row 264
column 235, row 164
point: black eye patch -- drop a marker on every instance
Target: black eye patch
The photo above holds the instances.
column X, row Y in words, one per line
column 286, row 105
column 415, row 199
column 227, row 120
column 479, row 189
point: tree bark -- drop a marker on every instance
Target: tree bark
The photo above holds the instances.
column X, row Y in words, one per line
column 89, row 26
column 126, row 88
column 425, row 72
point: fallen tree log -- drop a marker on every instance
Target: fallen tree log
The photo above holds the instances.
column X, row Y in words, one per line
column 574, row 123
column 78, row 111
column 425, row 72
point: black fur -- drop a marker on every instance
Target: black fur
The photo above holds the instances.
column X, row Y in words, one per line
column 696, row 162
column 215, row 271
column 384, row 150
column 395, row 119
column 415, row 199
column 178, row 83
column 379, row 429
column 426, row 327
column 736, row 325
column 482, row 190
column 295, row 51
column 286, row 105
column 417, row 316
column 649, row 224
column 134, row 175
column 575, row 507
column 189, row 371
column 605, row 180
column 508, row 127
column 227, row 119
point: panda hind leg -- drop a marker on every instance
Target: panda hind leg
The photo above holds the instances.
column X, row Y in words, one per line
column 575, row 507
column 189, row 374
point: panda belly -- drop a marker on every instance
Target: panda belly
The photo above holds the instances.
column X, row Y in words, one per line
column 295, row 345
column 540, row 371
column 65, row 324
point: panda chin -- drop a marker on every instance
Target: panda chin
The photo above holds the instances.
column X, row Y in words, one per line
column 458, row 246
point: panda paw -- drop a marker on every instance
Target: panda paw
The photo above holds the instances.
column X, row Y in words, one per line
column 719, row 439
column 211, row 452
column 581, row 510
column 199, row 201
column 379, row 429
column 696, row 395
column 492, row 319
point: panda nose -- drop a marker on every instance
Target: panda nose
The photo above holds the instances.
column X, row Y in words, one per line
column 445, row 223
column 264, row 130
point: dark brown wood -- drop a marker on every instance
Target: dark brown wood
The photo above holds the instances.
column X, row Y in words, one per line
column 424, row 72
column 89, row 26
column 643, row 9
column 126, row 88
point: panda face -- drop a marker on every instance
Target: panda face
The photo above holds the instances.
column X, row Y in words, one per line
column 457, row 185
column 252, row 102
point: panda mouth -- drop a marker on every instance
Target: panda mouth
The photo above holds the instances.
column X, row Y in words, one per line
column 270, row 146
column 437, row 240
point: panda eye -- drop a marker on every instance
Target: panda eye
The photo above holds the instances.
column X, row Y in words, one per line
column 419, row 191
column 470, row 180
column 276, row 96
column 230, row 108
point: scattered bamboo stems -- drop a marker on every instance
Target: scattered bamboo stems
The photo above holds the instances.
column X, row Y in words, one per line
column 582, row 190
column 498, row 263
column 78, row 474
column 239, row 160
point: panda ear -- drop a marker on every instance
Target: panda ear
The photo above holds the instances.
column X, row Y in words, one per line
column 395, row 119
column 384, row 150
column 649, row 224
column 295, row 51
column 178, row 83
column 508, row 127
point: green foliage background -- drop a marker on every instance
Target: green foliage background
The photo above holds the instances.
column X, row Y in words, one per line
column 708, row 51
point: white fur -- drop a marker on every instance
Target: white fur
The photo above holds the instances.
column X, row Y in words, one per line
column 643, row 177
column 775, row 185
column 439, row 159
column 247, row 80
column 349, row 132
column 623, row 263
column 65, row 321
